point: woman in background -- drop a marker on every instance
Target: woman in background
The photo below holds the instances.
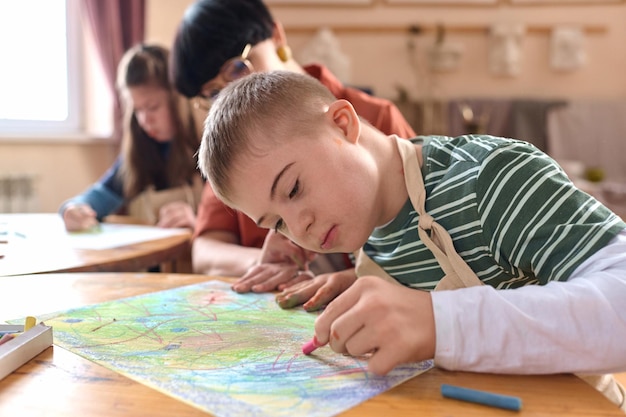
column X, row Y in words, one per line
column 155, row 175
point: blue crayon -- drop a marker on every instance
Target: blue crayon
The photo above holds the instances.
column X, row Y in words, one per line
column 481, row 397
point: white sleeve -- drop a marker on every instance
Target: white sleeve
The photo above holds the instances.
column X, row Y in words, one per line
column 576, row 326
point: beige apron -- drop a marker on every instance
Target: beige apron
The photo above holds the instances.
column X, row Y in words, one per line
column 146, row 205
column 457, row 273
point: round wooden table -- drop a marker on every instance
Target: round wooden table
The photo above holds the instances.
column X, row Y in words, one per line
column 38, row 243
column 60, row 383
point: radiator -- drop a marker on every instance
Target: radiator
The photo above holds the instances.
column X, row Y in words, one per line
column 17, row 193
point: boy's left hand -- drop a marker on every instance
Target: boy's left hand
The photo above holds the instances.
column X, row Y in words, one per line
column 270, row 276
column 318, row 292
column 282, row 263
column 394, row 324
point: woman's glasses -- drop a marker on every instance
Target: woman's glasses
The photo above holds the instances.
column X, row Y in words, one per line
column 231, row 70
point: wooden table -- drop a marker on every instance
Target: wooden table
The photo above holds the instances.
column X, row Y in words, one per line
column 60, row 383
column 45, row 246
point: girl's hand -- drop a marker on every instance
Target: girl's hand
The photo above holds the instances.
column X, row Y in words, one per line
column 176, row 214
column 392, row 323
column 318, row 292
column 79, row 217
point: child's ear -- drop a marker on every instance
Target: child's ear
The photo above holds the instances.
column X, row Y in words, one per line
column 343, row 115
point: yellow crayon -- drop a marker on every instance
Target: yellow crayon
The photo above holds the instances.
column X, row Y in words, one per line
column 29, row 323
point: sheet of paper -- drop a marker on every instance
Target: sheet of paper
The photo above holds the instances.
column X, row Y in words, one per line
column 48, row 231
column 109, row 236
column 226, row 353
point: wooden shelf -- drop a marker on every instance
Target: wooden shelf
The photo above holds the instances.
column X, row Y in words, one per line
column 419, row 28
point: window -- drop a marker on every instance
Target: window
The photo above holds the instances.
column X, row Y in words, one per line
column 39, row 76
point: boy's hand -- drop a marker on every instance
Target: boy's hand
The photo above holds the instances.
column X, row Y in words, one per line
column 316, row 293
column 282, row 263
column 394, row 324
column 176, row 214
column 79, row 217
column 271, row 276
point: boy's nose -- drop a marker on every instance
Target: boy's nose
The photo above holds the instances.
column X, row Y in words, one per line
column 303, row 221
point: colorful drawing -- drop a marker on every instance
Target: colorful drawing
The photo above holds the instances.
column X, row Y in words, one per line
column 226, row 353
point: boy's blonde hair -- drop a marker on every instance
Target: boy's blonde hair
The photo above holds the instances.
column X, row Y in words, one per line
column 278, row 106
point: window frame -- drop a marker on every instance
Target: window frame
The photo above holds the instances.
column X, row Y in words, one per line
column 74, row 123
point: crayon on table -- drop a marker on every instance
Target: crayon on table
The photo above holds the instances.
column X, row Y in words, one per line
column 29, row 323
column 6, row 337
column 481, row 397
column 17, row 329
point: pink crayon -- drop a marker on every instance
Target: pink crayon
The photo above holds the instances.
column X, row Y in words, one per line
column 6, row 337
column 310, row 346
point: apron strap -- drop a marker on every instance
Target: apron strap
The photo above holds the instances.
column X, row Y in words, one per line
column 457, row 273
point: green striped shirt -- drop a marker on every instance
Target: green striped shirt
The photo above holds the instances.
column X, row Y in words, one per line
column 512, row 213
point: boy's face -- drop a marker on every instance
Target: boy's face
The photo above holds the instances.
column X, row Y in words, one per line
column 318, row 191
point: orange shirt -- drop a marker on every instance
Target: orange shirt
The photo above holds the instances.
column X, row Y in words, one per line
column 381, row 113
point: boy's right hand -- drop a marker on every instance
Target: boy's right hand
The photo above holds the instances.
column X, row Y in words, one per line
column 79, row 217
column 391, row 323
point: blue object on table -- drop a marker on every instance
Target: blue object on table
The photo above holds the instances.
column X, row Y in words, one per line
column 481, row 397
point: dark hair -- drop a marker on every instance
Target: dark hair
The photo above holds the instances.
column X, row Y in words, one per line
column 142, row 161
column 211, row 32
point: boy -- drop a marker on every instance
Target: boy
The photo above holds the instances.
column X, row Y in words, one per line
column 278, row 147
